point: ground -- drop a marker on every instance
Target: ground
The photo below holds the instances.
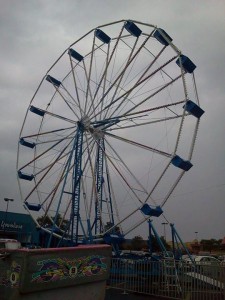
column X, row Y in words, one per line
column 113, row 294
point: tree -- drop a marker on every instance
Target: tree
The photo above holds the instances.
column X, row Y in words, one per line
column 167, row 246
column 46, row 221
column 138, row 243
column 115, row 230
column 209, row 245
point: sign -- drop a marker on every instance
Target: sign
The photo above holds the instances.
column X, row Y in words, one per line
column 10, row 226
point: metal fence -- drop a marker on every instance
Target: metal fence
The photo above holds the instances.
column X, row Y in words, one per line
column 168, row 278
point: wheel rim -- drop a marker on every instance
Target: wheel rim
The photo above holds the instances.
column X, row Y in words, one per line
column 104, row 127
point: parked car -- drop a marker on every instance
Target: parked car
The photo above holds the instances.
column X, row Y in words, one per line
column 222, row 259
column 187, row 260
column 209, row 266
column 207, row 260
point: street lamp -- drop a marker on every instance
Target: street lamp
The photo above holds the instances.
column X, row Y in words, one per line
column 196, row 235
column 164, row 225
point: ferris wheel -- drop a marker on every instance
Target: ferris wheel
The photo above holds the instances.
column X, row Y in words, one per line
column 109, row 133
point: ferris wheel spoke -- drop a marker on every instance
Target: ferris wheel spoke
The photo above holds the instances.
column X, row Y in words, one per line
column 57, row 85
column 116, row 83
column 88, row 78
column 43, row 112
column 144, row 80
column 146, row 123
column 66, row 172
column 52, row 141
column 75, row 84
column 47, row 172
column 56, row 143
column 139, row 49
column 137, row 224
column 155, row 108
column 140, row 81
column 119, row 79
column 106, row 67
column 103, row 79
column 46, row 132
column 135, row 115
column 112, row 202
column 123, row 96
column 152, row 95
column 88, row 92
column 123, row 220
column 62, row 177
column 66, row 101
column 42, row 154
column 50, row 164
column 157, row 56
column 52, row 193
column 122, row 177
column 75, row 104
column 94, row 82
column 142, row 188
column 154, row 150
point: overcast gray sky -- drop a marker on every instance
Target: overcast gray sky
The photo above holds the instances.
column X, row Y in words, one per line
column 34, row 33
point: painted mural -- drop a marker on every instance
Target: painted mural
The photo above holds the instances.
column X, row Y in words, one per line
column 63, row 268
column 12, row 276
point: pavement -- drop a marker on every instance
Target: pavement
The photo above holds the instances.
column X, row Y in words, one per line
column 114, row 294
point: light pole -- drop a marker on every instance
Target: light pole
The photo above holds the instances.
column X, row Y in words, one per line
column 7, row 207
column 164, row 225
column 196, row 235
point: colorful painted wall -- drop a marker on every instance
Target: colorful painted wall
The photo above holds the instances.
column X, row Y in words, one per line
column 58, row 273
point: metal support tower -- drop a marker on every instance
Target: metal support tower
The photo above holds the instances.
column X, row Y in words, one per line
column 77, row 173
column 99, row 179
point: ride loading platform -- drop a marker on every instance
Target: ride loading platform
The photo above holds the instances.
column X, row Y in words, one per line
column 55, row 273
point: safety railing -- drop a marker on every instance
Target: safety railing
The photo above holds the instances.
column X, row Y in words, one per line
column 167, row 278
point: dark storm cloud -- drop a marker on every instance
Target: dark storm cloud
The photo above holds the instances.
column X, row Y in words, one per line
column 34, row 33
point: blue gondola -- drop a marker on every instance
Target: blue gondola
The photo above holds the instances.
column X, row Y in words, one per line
column 34, row 207
column 102, row 36
column 75, row 54
column 26, row 143
column 25, row 176
column 186, row 63
column 53, row 80
column 149, row 211
column 132, row 28
column 194, row 109
column 37, row 111
column 158, row 35
column 179, row 162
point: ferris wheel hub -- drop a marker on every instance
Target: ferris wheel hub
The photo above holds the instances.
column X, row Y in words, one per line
column 97, row 133
column 86, row 122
